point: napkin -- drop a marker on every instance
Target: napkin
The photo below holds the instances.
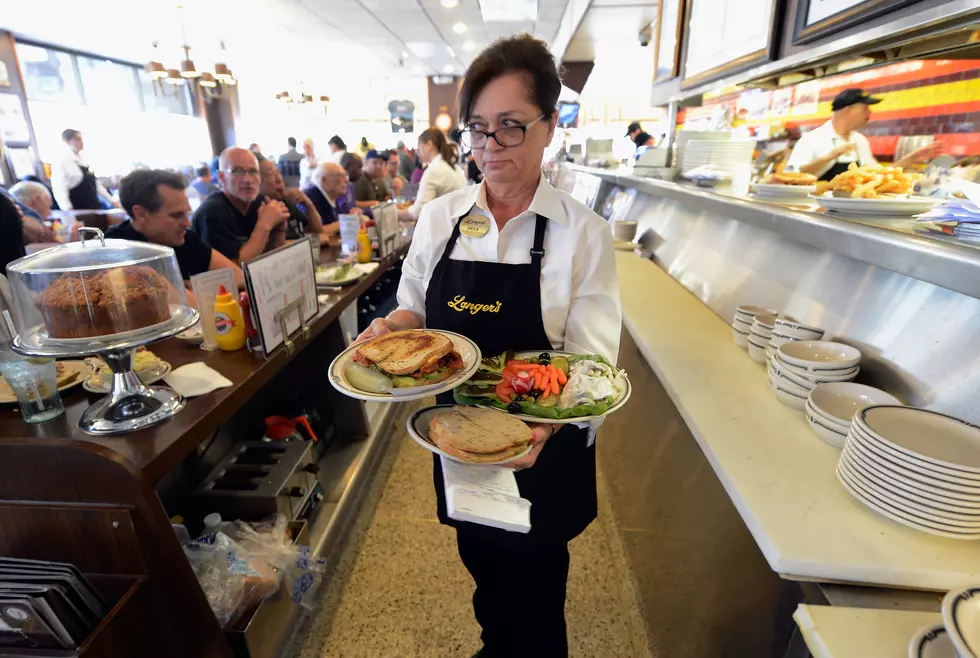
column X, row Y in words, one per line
column 196, row 379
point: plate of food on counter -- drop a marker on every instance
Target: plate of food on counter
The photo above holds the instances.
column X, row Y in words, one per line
column 786, row 184
column 148, row 367
column 547, row 387
column 344, row 274
column 405, row 365
column 874, row 191
column 472, row 435
column 69, row 374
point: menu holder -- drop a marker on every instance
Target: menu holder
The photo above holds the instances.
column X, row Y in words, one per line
column 205, row 287
column 386, row 220
column 282, row 289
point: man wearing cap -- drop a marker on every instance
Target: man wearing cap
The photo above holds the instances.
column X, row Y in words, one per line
column 633, row 130
column 370, row 188
column 828, row 150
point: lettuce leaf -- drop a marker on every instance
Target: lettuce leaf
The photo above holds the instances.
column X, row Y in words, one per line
column 533, row 409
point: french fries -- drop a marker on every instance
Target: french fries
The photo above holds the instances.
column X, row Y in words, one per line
column 870, row 181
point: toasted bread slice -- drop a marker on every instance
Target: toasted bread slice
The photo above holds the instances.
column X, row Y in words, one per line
column 475, row 430
column 793, row 178
column 404, row 352
column 482, row 457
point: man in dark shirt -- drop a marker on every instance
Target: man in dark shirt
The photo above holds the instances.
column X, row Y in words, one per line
column 235, row 221
column 303, row 215
column 288, row 164
column 157, row 205
column 370, row 189
column 11, row 233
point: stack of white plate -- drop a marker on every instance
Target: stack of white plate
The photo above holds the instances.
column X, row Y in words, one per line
column 830, row 408
column 724, row 155
column 760, row 334
column 917, row 467
column 798, row 367
column 685, row 136
column 784, row 192
column 743, row 321
column 786, row 330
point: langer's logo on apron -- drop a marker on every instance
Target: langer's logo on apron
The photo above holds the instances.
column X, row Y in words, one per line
column 460, row 304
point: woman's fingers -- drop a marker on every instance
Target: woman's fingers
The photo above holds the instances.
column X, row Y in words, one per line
column 378, row 327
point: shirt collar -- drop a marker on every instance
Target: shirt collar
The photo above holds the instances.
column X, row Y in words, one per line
column 546, row 201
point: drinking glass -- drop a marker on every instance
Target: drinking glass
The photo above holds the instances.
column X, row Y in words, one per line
column 35, row 383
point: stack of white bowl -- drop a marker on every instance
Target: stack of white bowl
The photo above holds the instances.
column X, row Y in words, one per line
column 958, row 636
column 786, row 330
column 759, row 335
column 800, row 366
column 742, row 324
column 830, row 408
column 917, row 467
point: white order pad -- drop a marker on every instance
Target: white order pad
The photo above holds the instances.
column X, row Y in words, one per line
column 195, row 379
column 487, row 495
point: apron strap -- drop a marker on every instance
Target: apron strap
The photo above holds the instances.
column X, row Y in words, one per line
column 451, row 243
column 537, row 251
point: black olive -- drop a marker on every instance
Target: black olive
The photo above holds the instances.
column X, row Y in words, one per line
column 514, row 408
column 518, row 398
column 544, row 356
column 544, row 362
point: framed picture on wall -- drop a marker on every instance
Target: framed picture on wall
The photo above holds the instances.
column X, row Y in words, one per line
column 816, row 19
column 667, row 40
column 723, row 37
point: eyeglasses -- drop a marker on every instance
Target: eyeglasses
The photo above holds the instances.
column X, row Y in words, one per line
column 506, row 137
column 238, row 172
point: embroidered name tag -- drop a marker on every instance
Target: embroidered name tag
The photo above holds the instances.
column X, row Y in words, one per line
column 460, row 304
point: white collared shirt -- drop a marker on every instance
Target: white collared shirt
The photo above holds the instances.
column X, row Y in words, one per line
column 438, row 179
column 579, row 289
column 66, row 175
column 819, row 142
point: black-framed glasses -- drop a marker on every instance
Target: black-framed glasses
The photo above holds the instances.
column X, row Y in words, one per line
column 506, row 137
column 238, row 172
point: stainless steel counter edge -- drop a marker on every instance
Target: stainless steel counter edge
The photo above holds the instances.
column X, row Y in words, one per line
column 940, row 262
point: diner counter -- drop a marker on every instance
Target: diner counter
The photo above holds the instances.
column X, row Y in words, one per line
column 777, row 473
column 832, row 632
column 892, row 244
column 158, row 449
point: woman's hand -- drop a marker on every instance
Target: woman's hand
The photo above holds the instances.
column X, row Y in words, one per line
column 539, row 435
column 378, row 327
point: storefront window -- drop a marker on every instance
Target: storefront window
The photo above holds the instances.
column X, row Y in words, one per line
column 107, row 83
column 164, row 97
column 49, row 74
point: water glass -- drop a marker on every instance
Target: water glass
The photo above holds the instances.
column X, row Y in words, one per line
column 35, row 383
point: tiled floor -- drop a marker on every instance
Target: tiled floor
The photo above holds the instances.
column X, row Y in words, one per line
column 401, row 591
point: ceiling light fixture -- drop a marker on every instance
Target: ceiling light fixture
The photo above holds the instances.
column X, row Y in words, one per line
column 449, row 4
column 155, row 70
column 468, row 46
column 221, row 72
column 459, row 28
column 509, row 10
column 173, row 77
column 207, row 80
column 448, row 68
column 187, row 68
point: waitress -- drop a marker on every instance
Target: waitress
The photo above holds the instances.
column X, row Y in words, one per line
column 441, row 176
column 830, row 149
column 546, row 262
column 74, row 185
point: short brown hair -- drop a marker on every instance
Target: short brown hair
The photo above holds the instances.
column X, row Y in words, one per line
column 518, row 54
column 438, row 139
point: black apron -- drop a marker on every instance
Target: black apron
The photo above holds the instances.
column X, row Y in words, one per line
column 835, row 169
column 561, row 485
column 85, row 195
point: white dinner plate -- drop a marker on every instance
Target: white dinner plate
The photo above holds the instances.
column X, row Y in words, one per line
column 935, row 497
column 919, row 478
column 101, row 384
column 83, row 369
column 418, row 428
column 909, row 503
column 782, row 191
column 527, row 418
column 894, row 207
column 324, row 277
column 467, row 349
column 932, row 642
column 969, row 483
column 961, row 617
column 942, row 440
column 898, row 516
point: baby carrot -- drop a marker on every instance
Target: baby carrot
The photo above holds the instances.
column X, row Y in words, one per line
column 562, row 377
column 554, row 384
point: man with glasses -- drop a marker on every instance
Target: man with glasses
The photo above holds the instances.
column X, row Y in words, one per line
column 236, row 221
column 329, row 187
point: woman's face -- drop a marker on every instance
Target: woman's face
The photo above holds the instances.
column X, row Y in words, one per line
column 426, row 151
column 503, row 103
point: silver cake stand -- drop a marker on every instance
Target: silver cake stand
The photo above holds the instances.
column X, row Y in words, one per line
column 130, row 405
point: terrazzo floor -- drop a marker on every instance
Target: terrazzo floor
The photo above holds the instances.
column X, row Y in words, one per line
column 400, row 590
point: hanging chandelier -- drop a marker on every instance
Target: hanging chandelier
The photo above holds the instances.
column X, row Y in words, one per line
column 210, row 85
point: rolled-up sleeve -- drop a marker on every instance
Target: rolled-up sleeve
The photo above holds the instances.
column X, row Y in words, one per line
column 595, row 316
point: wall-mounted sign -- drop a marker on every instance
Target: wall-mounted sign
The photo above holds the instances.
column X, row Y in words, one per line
column 816, row 19
column 402, row 116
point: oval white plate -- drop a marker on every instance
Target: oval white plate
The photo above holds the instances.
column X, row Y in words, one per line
column 932, row 642
column 961, row 617
column 841, row 400
column 84, row 370
column 418, row 428
column 101, row 384
column 885, row 207
column 776, row 190
column 897, row 466
column 527, row 418
column 945, row 441
column 467, row 349
column 324, row 277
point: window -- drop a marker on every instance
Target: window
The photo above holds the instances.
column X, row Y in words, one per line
column 108, row 84
column 164, row 98
column 49, row 74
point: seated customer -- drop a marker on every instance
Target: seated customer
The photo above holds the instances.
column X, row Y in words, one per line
column 36, row 202
column 328, row 192
column 159, row 211
column 393, row 180
column 235, row 221
column 203, row 185
column 303, row 215
column 11, row 233
column 370, row 189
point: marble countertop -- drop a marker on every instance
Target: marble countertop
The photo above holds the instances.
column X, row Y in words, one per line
column 779, row 475
column 860, row 632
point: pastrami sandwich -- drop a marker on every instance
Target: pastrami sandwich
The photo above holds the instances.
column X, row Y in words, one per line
column 411, row 357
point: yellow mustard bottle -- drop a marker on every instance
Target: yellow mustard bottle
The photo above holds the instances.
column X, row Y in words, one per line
column 363, row 246
column 229, row 326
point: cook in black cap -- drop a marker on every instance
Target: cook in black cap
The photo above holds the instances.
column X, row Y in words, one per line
column 634, row 129
column 828, row 150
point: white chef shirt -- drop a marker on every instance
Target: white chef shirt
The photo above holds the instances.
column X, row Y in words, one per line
column 579, row 289
column 819, row 142
column 438, row 179
column 306, row 169
column 66, row 175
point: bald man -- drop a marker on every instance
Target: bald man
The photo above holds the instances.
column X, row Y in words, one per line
column 238, row 221
column 329, row 185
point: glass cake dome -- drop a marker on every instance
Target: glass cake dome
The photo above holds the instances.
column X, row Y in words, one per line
column 94, row 292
